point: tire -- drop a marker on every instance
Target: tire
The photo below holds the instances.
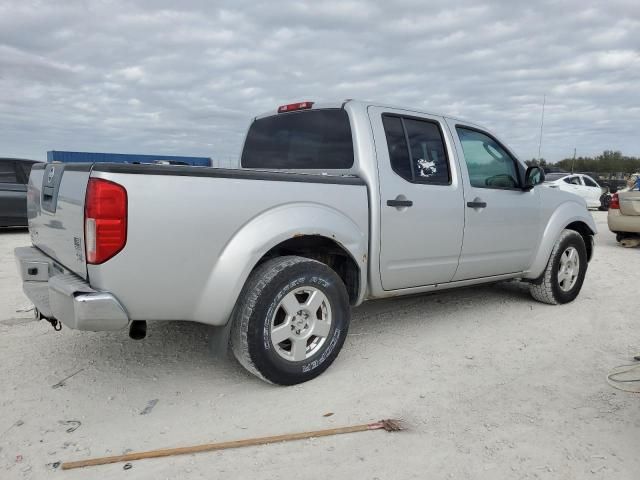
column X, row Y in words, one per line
column 290, row 298
column 548, row 288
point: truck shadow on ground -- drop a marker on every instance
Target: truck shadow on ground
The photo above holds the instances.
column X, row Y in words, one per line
column 417, row 309
column 175, row 347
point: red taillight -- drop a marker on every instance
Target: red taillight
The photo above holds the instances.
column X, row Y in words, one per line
column 614, row 202
column 105, row 220
column 295, row 106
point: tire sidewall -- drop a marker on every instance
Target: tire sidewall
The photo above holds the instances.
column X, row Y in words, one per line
column 576, row 241
column 263, row 353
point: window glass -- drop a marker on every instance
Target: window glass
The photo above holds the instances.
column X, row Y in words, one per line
column 588, row 182
column 489, row 165
column 573, row 180
column 428, row 156
column 397, row 145
column 25, row 167
column 312, row 139
column 7, row 173
column 425, row 160
column 551, row 177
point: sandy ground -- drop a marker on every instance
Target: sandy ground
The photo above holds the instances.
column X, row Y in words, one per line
column 492, row 384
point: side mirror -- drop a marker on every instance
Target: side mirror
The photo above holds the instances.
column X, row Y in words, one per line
column 533, row 176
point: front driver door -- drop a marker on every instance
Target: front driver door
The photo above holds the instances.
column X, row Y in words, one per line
column 421, row 205
column 502, row 221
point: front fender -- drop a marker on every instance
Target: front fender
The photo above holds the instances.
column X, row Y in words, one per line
column 259, row 235
column 565, row 214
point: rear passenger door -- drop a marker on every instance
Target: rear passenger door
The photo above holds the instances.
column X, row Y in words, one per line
column 13, row 195
column 421, row 211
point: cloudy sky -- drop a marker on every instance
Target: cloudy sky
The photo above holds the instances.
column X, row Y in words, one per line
column 186, row 77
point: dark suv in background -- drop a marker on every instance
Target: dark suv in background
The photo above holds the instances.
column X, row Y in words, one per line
column 14, row 175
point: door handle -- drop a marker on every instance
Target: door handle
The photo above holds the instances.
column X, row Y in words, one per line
column 476, row 204
column 399, row 203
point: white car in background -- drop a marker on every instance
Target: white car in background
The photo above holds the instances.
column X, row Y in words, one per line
column 577, row 183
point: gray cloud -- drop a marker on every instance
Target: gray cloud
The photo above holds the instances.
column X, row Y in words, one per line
column 158, row 77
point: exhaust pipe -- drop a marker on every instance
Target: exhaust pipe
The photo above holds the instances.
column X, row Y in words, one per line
column 138, row 329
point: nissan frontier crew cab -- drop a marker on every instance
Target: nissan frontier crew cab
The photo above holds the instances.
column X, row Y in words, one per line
column 333, row 205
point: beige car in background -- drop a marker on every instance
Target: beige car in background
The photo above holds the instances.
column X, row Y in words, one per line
column 624, row 214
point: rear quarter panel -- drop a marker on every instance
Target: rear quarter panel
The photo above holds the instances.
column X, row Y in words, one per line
column 193, row 241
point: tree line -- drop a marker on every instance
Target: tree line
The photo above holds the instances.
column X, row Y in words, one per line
column 608, row 162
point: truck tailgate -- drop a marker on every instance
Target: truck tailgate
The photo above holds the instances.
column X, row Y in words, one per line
column 629, row 203
column 55, row 208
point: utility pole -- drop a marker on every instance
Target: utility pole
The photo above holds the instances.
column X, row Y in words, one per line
column 573, row 162
column 544, row 101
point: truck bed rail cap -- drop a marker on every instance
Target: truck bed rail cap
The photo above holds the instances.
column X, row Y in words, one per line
column 244, row 174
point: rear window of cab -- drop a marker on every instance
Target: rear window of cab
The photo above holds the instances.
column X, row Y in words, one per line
column 311, row 139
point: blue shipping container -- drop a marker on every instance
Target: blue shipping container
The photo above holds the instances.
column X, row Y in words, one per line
column 91, row 157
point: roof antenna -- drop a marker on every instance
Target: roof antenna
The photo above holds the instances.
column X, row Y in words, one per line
column 544, row 101
column 574, row 160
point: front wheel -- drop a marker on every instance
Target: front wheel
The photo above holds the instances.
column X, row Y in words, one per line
column 291, row 320
column 564, row 274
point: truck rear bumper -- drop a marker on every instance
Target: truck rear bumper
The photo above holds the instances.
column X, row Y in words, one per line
column 60, row 294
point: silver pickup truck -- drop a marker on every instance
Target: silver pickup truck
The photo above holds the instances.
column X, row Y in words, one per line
column 333, row 205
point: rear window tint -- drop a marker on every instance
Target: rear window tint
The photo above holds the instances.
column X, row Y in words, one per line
column 8, row 173
column 397, row 145
column 425, row 159
column 313, row 139
column 25, row 167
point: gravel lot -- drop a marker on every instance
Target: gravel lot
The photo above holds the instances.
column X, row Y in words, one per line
column 492, row 384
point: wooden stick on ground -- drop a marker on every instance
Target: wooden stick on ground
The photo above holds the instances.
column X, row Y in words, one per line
column 388, row 425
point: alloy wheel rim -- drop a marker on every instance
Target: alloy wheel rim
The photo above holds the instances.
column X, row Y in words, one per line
column 301, row 324
column 568, row 269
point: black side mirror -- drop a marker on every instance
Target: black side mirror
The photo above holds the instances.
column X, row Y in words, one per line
column 533, row 176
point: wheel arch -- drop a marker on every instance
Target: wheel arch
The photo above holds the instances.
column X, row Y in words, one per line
column 571, row 216
column 586, row 233
column 325, row 250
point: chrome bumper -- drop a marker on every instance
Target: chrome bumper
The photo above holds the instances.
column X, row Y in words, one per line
column 60, row 294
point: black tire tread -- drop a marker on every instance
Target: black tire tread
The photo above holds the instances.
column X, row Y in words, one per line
column 257, row 282
column 542, row 289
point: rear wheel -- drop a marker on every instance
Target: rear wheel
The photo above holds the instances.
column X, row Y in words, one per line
column 564, row 274
column 291, row 320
